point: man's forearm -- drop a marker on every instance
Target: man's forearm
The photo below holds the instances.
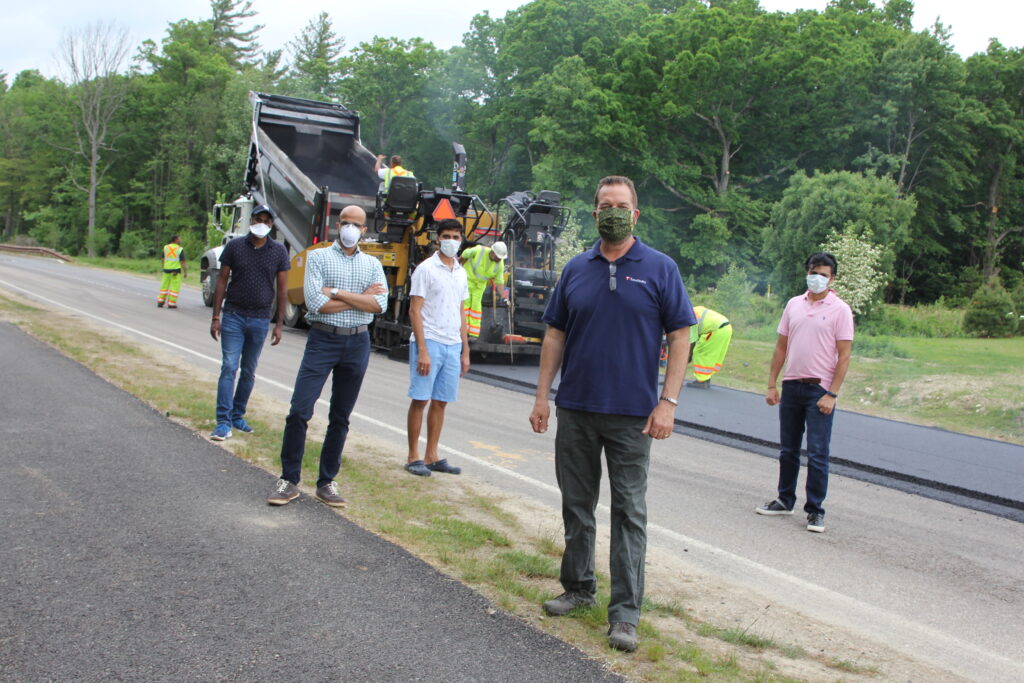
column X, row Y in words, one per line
column 841, row 367
column 550, row 360
column 366, row 303
column 678, row 345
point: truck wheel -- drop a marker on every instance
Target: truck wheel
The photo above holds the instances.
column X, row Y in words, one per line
column 209, row 281
column 295, row 316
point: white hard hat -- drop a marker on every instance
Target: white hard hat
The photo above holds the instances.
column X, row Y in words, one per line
column 499, row 249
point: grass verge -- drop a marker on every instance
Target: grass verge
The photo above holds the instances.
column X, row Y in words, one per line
column 460, row 527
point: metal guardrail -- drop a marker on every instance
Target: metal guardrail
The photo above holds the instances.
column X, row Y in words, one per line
column 42, row 251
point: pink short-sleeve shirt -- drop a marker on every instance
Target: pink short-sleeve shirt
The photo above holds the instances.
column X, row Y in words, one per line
column 813, row 328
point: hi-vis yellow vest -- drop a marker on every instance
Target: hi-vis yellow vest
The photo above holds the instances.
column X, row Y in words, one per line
column 172, row 256
column 481, row 267
column 707, row 321
column 392, row 172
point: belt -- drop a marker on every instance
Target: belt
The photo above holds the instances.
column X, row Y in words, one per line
column 804, row 380
column 331, row 329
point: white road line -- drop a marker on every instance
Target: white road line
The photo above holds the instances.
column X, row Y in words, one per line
column 939, row 640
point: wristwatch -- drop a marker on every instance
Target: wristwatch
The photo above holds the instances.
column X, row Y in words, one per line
column 831, row 394
column 334, row 292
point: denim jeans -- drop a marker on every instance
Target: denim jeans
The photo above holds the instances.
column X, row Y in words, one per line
column 346, row 356
column 579, row 440
column 798, row 408
column 241, row 341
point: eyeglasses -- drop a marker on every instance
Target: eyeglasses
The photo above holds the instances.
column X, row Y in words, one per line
column 611, row 277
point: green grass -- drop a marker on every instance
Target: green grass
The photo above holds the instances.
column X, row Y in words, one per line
column 143, row 266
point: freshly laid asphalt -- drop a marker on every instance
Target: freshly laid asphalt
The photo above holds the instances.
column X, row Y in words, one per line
column 133, row 549
column 966, row 470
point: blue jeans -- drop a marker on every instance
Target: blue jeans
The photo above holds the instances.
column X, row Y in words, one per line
column 346, row 356
column 798, row 408
column 241, row 341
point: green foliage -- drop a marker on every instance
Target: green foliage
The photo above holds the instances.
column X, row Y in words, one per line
column 932, row 320
column 859, row 281
column 991, row 312
column 878, row 347
column 136, row 244
column 734, row 297
column 317, row 69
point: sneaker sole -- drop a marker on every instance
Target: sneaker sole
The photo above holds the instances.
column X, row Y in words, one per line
column 333, row 504
column 220, row 438
column 624, row 647
column 816, row 529
column 281, row 501
column 772, row 513
column 559, row 613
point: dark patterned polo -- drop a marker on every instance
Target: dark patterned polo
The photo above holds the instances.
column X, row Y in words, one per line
column 254, row 272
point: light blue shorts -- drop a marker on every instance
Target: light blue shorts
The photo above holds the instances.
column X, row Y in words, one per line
column 442, row 384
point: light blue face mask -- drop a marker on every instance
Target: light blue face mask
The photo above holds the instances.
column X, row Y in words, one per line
column 817, row 283
column 450, row 247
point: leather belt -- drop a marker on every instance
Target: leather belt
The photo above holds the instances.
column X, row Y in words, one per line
column 341, row 331
column 804, row 380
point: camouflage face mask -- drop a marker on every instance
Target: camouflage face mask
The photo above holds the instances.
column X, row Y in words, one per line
column 615, row 224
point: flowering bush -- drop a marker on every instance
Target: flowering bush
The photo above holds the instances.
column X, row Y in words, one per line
column 860, row 280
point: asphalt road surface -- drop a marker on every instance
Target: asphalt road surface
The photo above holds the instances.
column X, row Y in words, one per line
column 133, row 550
column 938, row 581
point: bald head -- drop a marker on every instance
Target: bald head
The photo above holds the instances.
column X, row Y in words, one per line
column 352, row 214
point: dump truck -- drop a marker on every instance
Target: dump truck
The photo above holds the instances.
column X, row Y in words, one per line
column 306, row 162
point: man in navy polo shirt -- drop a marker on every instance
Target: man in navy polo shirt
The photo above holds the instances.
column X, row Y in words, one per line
column 605, row 322
column 257, row 267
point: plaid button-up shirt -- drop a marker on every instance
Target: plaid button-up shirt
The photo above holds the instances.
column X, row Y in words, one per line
column 330, row 267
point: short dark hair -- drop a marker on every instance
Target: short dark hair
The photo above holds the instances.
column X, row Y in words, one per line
column 617, row 180
column 396, row 161
column 450, row 224
column 822, row 258
column 175, row 238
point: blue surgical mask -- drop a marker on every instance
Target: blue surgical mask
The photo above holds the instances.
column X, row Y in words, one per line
column 817, row 283
column 450, row 247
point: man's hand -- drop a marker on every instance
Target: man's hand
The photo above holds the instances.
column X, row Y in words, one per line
column 215, row 329
column 826, row 404
column 380, row 157
column 275, row 336
column 771, row 397
column 423, row 363
column 375, row 289
column 465, row 363
column 539, row 416
column 661, row 421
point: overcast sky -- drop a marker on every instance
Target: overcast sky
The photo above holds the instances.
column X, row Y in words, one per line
column 33, row 29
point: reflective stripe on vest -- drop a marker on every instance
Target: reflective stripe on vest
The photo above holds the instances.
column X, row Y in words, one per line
column 172, row 256
column 480, row 258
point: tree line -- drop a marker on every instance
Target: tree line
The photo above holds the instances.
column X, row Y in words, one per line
column 754, row 137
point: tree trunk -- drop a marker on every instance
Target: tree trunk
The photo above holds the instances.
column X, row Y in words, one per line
column 94, row 162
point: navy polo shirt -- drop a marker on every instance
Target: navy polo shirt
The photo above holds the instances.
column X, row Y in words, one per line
column 253, row 283
column 613, row 339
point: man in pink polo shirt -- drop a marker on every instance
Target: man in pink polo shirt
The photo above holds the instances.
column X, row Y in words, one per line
column 815, row 340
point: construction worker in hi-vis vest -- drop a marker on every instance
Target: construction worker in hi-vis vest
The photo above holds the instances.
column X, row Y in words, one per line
column 391, row 170
column 484, row 265
column 174, row 270
column 709, row 342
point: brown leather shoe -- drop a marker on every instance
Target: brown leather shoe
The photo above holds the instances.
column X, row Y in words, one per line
column 328, row 493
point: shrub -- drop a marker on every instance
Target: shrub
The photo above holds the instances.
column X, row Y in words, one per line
column 878, row 347
column 860, row 279
column 1018, row 305
column 927, row 320
column 734, row 298
column 136, row 244
column 991, row 312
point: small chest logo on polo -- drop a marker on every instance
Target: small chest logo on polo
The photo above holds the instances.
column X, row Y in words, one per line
column 637, row 280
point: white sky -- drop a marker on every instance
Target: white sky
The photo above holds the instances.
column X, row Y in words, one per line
column 31, row 30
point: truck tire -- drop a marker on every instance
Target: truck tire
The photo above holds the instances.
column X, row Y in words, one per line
column 209, row 282
column 295, row 316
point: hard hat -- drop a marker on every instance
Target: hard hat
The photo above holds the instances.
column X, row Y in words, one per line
column 499, row 249
column 263, row 208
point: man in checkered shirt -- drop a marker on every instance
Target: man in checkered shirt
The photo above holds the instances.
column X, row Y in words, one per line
column 344, row 288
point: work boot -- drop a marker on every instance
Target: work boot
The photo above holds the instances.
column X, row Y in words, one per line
column 567, row 602
column 622, row 636
column 697, row 384
column 159, row 304
column 328, row 493
column 284, row 492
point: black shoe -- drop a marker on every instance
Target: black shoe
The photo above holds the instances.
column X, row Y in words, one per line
column 443, row 466
column 567, row 602
column 773, row 507
column 696, row 384
column 816, row 522
column 622, row 636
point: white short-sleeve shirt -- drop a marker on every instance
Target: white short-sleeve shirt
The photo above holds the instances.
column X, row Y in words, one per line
column 443, row 290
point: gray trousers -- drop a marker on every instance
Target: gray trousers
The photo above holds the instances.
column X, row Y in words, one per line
column 579, row 440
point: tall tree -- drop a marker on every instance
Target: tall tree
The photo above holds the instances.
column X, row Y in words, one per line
column 93, row 58
column 239, row 44
column 316, row 65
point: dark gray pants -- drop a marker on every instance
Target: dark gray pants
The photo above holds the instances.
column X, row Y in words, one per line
column 579, row 440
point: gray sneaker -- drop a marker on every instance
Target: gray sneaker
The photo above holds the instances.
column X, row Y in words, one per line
column 622, row 636
column 567, row 602
column 284, row 493
column 816, row 522
column 773, row 507
column 328, row 493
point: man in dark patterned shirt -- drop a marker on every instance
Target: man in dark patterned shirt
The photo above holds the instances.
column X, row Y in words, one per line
column 255, row 265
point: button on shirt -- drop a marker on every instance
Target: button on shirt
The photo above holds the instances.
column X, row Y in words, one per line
column 613, row 339
column 253, row 276
column 813, row 328
column 443, row 290
column 330, row 267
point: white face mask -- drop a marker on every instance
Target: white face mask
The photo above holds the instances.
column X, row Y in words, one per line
column 817, row 283
column 349, row 235
column 260, row 230
column 450, row 247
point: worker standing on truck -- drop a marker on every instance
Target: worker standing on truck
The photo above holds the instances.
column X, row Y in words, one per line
column 386, row 173
column 343, row 288
column 709, row 342
column 484, row 266
column 257, row 268
column 174, row 270
column 439, row 347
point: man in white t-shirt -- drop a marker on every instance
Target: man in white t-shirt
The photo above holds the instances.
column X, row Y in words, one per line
column 438, row 348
